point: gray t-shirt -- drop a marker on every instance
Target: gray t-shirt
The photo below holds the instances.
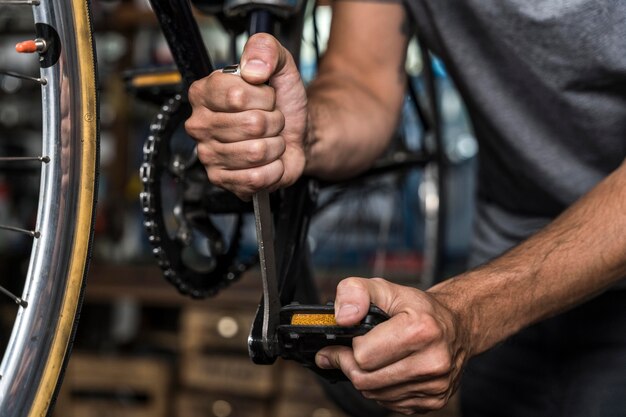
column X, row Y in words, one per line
column 545, row 85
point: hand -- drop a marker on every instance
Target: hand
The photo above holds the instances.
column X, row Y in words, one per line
column 250, row 135
column 410, row 363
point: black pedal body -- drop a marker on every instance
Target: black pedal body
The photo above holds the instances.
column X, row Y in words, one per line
column 306, row 329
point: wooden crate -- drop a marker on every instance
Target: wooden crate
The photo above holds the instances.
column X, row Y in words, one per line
column 99, row 386
column 287, row 407
column 299, row 383
column 194, row 404
column 215, row 330
column 230, row 374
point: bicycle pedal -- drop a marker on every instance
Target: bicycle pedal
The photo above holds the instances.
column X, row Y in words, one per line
column 305, row 329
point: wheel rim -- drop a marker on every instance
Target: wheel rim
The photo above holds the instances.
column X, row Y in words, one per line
column 36, row 350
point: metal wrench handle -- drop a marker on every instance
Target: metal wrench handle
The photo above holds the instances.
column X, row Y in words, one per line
column 267, row 259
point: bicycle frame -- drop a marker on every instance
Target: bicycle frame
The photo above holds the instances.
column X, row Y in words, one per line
column 183, row 37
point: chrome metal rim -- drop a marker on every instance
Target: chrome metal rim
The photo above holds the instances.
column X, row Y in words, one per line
column 25, row 360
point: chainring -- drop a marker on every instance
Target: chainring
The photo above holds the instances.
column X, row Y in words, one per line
column 198, row 257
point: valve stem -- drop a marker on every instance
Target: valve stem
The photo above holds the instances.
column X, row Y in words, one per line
column 31, row 46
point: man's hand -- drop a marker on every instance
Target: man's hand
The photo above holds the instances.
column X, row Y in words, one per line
column 410, row 363
column 250, row 134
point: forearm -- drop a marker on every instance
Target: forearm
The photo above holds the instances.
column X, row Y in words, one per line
column 578, row 255
column 348, row 128
column 356, row 99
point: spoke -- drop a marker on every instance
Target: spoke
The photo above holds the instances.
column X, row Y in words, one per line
column 21, row 2
column 31, row 233
column 13, row 297
column 41, row 81
column 44, row 159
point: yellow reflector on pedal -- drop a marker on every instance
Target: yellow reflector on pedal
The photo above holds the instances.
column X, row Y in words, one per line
column 302, row 319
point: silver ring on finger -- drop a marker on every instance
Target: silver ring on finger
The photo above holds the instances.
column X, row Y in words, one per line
column 232, row 69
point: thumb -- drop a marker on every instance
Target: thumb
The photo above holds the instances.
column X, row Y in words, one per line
column 354, row 296
column 262, row 57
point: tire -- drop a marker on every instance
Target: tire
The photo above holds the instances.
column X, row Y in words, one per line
column 40, row 341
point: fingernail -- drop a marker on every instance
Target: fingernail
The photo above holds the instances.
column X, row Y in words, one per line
column 346, row 311
column 323, row 362
column 255, row 67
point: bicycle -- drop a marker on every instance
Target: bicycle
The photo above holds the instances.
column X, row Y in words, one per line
column 194, row 210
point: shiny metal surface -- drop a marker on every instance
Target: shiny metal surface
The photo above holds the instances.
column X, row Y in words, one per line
column 232, row 69
column 25, row 358
column 267, row 259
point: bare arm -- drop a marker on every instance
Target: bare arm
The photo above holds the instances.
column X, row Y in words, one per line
column 578, row 255
column 355, row 101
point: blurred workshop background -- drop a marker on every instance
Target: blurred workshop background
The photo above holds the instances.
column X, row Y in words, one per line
column 144, row 350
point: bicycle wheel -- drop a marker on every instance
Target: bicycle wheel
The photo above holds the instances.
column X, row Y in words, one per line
column 49, row 301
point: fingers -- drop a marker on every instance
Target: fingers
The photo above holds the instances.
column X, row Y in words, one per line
column 354, row 296
column 413, row 398
column 352, row 301
column 241, row 155
column 419, row 405
column 408, row 394
column 245, row 182
column 430, row 375
column 263, row 57
column 235, row 143
column 234, row 127
column 221, row 92
column 439, row 387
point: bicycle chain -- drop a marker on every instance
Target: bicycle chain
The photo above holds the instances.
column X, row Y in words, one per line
column 168, row 251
